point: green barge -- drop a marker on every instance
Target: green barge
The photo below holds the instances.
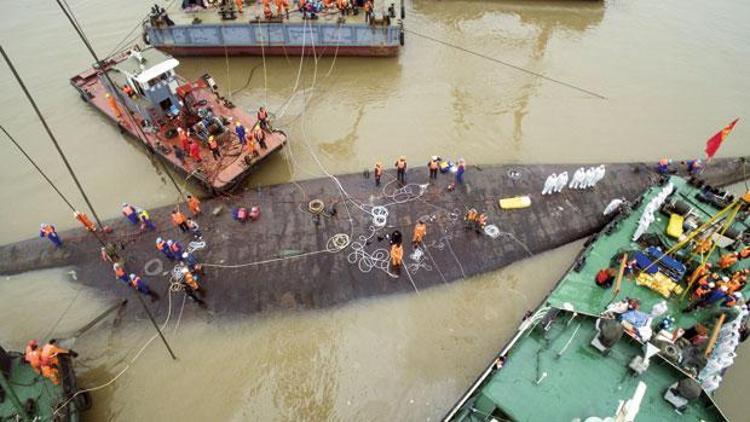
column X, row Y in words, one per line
column 582, row 356
column 28, row 396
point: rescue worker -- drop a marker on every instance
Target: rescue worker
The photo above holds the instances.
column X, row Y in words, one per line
column 239, row 4
column 282, row 6
column 694, row 167
column 191, row 285
column 194, row 205
column 145, row 220
column 460, row 171
column 378, row 172
column 343, row 6
column 481, row 222
column 164, row 248
column 48, row 231
column 141, row 287
column 33, row 356
column 109, row 253
column 84, row 219
column 260, row 137
column 184, row 140
column 368, row 11
column 174, row 247
column 120, row 273
column 251, row 147
column 471, row 218
column 214, row 147
column 195, row 152
column 129, row 212
column 433, row 165
column 728, row 260
column 113, row 106
column 179, row 220
column 263, row 119
column 745, row 252
column 400, row 165
column 703, row 286
column 719, row 293
column 195, row 229
column 420, row 231
column 51, row 362
column 190, row 261
column 239, row 130
column 267, row 13
column 397, row 256
column 703, row 246
column 662, row 167
column 700, row 271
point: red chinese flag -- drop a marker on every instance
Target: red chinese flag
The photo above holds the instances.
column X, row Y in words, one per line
column 713, row 144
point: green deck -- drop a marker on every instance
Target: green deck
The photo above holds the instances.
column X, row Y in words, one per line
column 580, row 290
column 28, row 385
column 582, row 382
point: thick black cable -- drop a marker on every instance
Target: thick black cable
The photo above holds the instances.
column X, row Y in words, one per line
column 510, row 65
column 140, row 135
column 33, row 163
column 51, row 136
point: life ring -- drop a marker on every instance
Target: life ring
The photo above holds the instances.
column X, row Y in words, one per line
column 316, row 206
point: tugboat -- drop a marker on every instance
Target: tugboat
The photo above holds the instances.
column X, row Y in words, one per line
column 157, row 106
column 28, row 396
column 646, row 322
column 324, row 28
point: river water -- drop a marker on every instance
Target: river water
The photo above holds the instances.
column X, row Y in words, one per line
column 671, row 73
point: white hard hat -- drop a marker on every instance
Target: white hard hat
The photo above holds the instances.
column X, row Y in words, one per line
column 159, row 239
column 169, row 242
column 434, row 158
column 132, row 276
column 43, row 225
column 184, row 254
column 124, row 204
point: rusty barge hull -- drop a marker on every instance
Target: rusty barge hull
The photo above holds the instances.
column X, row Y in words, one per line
column 286, row 260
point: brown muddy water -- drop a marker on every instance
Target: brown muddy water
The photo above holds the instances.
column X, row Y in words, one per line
column 673, row 73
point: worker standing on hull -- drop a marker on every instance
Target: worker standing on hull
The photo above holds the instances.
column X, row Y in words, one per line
column 420, row 231
column 51, row 362
column 33, row 356
column 195, row 152
column 179, row 220
column 194, row 205
column 433, row 165
column 146, row 222
column 129, row 212
column 120, row 273
column 141, row 287
column 260, row 137
column 162, row 246
column 400, row 165
column 48, row 231
column 378, row 172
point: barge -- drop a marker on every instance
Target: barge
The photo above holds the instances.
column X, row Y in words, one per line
column 26, row 395
column 220, row 28
column 154, row 104
column 618, row 338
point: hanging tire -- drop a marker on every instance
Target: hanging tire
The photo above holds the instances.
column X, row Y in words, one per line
column 403, row 11
column 401, row 38
column 146, row 38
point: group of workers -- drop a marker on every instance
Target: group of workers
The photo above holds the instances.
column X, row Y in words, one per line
column 397, row 247
column 694, row 167
column 45, row 360
column 433, row 167
column 189, row 147
column 722, row 286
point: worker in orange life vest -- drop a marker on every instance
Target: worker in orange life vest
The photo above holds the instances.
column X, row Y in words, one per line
column 420, row 231
column 728, row 260
column 51, row 362
column 120, row 273
column 400, row 165
column 84, row 219
column 182, row 136
column 178, row 219
column 378, row 172
column 195, row 152
column 239, row 4
column 194, row 204
column 113, row 105
column 662, row 166
column 33, row 356
column 433, row 165
column 397, row 255
column 48, row 231
column 267, row 13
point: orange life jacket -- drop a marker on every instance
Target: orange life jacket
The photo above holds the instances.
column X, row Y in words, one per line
column 194, row 204
column 190, row 281
column 119, row 272
column 744, row 253
column 727, row 261
column 434, row 165
column 160, row 245
column 420, row 230
column 134, row 282
column 401, row 164
column 178, row 218
column 84, row 219
column 397, row 255
column 378, row 170
column 48, row 230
